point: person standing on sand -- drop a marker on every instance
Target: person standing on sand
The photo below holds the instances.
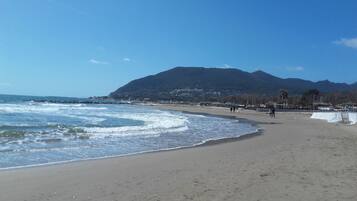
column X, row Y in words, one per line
column 273, row 112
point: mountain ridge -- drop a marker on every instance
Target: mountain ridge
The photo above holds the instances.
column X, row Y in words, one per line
column 203, row 83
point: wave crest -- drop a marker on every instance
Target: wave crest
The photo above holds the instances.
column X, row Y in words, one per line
column 154, row 124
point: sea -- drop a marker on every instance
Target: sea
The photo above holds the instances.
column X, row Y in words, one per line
column 50, row 130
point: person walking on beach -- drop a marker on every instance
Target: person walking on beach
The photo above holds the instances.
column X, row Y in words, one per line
column 272, row 112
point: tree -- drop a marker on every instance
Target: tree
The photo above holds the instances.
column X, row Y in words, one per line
column 309, row 97
column 284, row 97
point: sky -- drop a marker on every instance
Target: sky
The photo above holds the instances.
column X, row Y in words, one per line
column 84, row 48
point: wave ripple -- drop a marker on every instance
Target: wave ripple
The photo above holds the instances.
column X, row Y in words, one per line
column 41, row 133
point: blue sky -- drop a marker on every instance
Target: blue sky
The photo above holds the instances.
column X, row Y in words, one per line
column 88, row 47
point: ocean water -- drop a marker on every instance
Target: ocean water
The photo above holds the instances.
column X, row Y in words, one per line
column 33, row 133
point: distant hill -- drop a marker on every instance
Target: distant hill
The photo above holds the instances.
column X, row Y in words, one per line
column 354, row 85
column 198, row 83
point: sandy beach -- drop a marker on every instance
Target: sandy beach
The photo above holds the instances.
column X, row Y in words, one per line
column 295, row 158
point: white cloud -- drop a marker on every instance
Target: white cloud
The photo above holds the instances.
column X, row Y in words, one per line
column 295, row 68
column 226, row 66
column 94, row 61
column 348, row 42
column 126, row 59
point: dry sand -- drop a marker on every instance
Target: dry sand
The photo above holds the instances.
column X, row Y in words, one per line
column 294, row 159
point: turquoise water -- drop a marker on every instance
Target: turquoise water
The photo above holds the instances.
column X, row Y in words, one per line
column 33, row 133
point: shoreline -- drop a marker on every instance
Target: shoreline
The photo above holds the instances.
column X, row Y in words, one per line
column 208, row 142
column 295, row 159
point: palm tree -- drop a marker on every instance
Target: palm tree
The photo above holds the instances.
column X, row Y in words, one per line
column 284, row 97
column 310, row 97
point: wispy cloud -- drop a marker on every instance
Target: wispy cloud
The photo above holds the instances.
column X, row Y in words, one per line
column 348, row 42
column 295, row 68
column 226, row 66
column 126, row 59
column 94, row 61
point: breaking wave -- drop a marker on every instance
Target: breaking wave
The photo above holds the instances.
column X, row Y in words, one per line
column 40, row 133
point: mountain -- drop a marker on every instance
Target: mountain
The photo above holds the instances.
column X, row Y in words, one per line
column 354, row 85
column 198, row 83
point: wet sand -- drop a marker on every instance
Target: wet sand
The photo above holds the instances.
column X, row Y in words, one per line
column 294, row 158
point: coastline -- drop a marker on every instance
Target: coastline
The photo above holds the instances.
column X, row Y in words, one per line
column 295, row 159
column 207, row 142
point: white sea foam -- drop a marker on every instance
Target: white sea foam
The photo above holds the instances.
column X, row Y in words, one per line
column 55, row 149
column 17, row 108
column 70, row 106
column 44, row 108
column 55, row 134
column 58, row 104
column 154, row 124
